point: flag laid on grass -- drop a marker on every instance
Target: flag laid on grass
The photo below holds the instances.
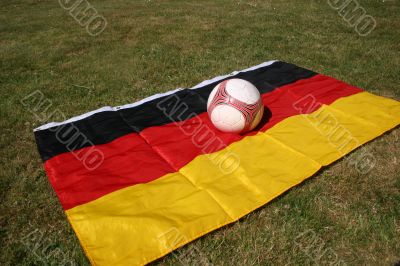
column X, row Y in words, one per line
column 140, row 180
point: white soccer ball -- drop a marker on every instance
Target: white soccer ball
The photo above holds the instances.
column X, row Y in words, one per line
column 235, row 106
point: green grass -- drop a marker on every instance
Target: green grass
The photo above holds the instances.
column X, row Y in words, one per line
column 154, row 46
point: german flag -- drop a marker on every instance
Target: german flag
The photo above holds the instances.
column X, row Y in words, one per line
column 140, row 180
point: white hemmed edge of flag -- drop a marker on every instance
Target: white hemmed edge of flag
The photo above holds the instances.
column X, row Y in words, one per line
column 150, row 98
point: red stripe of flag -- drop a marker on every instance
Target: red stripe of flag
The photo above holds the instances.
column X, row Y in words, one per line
column 159, row 150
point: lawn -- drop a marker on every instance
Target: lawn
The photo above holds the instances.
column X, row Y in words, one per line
column 150, row 46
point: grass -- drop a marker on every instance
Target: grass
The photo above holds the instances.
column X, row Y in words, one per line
column 154, row 46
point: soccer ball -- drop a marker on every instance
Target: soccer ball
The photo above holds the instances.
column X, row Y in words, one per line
column 235, row 106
